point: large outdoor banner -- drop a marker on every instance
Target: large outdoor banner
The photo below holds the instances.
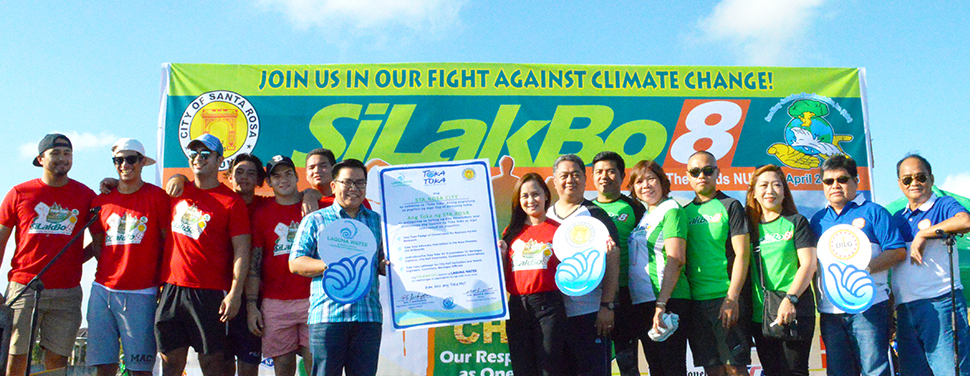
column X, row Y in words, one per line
column 519, row 118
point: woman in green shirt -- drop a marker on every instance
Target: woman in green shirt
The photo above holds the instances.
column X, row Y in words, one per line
column 657, row 256
column 787, row 256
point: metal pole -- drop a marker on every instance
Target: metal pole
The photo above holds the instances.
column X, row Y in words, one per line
column 953, row 306
column 38, row 286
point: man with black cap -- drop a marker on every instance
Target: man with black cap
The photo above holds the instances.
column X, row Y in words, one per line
column 46, row 213
column 204, row 265
column 286, row 296
column 135, row 220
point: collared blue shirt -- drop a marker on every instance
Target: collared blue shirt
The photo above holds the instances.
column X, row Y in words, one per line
column 879, row 227
column 322, row 308
column 931, row 278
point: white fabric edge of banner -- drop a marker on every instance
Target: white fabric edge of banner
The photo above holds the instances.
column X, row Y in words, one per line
column 868, row 133
column 162, row 109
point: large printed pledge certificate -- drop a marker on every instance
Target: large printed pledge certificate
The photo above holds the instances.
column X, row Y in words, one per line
column 439, row 230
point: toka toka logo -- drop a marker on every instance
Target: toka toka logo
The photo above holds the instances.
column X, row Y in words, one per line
column 224, row 114
column 809, row 135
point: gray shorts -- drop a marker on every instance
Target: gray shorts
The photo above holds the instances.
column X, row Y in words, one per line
column 121, row 318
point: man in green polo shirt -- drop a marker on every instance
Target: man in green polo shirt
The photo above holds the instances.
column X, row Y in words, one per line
column 718, row 251
column 625, row 212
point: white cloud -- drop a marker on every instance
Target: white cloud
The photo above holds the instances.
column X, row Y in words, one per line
column 761, row 32
column 80, row 141
column 369, row 16
column 958, row 183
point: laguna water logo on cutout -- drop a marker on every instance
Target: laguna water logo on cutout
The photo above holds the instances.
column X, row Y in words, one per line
column 228, row 116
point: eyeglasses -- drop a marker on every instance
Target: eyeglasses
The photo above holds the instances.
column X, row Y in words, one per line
column 131, row 159
column 841, row 179
column 706, row 170
column 359, row 184
column 205, row 154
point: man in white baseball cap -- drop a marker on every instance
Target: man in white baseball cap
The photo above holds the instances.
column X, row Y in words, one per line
column 128, row 244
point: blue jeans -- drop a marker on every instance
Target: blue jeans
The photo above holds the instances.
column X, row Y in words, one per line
column 857, row 343
column 345, row 346
column 924, row 336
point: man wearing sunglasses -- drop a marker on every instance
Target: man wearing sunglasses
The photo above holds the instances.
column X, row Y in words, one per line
column 204, row 265
column 924, row 335
column 127, row 242
column 46, row 214
column 862, row 339
column 717, row 266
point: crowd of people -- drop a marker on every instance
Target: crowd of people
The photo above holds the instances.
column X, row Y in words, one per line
column 238, row 276
column 715, row 263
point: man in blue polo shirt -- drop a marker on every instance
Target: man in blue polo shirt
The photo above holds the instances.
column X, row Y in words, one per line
column 924, row 335
column 862, row 339
column 343, row 337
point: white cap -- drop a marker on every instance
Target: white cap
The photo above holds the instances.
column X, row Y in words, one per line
column 132, row 145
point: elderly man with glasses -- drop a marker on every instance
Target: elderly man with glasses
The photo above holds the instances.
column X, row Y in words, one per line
column 924, row 333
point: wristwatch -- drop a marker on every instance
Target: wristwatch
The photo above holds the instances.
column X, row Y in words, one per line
column 608, row 305
column 792, row 298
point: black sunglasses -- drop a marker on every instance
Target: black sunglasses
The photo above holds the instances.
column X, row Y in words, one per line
column 131, row 159
column 841, row 179
column 707, row 170
column 907, row 180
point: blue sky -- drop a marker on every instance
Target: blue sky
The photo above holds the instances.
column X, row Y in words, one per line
column 92, row 69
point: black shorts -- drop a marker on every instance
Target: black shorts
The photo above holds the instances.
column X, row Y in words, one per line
column 243, row 344
column 710, row 342
column 190, row 317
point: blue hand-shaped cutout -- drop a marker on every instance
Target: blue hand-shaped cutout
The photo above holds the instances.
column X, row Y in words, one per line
column 580, row 273
column 848, row 288
column 347, row 281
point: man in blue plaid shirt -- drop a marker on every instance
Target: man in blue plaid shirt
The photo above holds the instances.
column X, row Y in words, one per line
column 342, row 336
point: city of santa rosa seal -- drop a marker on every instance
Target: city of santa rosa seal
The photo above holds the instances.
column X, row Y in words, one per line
column 224, row 114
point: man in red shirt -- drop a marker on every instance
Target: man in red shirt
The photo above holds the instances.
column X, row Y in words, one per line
column 319, row 162
column 204, row 266
column 135, row 221
column 286, row 296
column 47, row 213
column 319, row 165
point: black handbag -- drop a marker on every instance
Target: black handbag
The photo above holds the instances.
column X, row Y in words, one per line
column 802, row 327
